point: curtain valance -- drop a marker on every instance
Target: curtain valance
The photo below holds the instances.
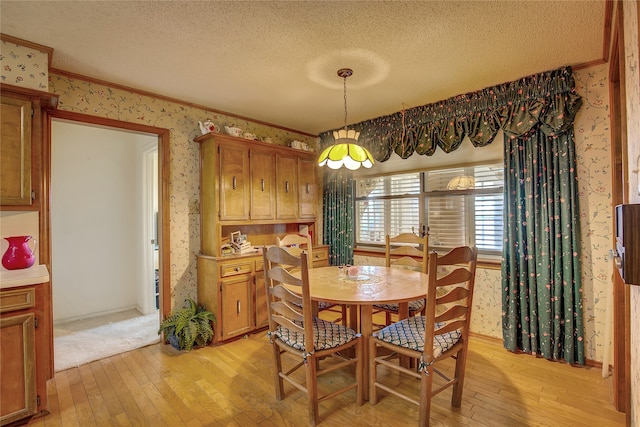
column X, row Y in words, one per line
column 547, row 100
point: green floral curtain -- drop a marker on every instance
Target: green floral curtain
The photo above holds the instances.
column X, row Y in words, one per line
column 478, row 115
column 541, row 274
column 338, row 212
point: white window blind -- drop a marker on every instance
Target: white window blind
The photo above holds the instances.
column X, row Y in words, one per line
column 387, row 205
column 396, row 204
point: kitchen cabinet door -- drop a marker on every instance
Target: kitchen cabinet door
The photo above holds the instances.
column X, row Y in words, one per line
column 17, row 368
column 307, row 188
column 262, row 315
column 237, row 306
column 15, row 146
column 286, row 186
column 234, row 182
column 262, row 178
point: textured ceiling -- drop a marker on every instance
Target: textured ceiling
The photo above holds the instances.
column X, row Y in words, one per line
column 276, row 61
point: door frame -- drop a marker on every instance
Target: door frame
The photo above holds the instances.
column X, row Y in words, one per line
column 619, row 184
column 164, row 139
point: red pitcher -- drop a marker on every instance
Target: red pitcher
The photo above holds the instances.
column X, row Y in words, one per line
column 19, row 254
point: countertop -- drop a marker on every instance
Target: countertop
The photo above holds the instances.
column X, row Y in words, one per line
column 23, row 277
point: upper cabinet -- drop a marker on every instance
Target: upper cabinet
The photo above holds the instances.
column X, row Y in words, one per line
column 307, row 188
column 234, row 182
column 287, row 186
column 246, row 183
column 15, row 146
column 21, row 145
column 261, row 164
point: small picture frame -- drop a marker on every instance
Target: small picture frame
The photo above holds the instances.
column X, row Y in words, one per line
column 236, row 237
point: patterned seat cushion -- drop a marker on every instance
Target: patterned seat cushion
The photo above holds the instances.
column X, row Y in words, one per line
column 409, row 333
column 322, row 305
column 414, row 306
column 325, row 335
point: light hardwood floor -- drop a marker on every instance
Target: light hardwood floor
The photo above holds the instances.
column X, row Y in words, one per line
column 231, row 385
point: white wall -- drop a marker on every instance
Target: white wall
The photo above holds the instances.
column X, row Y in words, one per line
column 97, row 236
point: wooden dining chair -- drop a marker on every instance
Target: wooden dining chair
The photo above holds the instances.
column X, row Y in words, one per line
column 406, row 250
column 318, row 346
column 442, row 333
column 295, row 244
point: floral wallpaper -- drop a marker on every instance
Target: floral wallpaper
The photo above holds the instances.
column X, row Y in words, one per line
column 632, row 94
column 23, row 66
column 592, row 138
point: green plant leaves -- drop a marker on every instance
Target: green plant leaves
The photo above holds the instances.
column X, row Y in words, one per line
column 191, row 325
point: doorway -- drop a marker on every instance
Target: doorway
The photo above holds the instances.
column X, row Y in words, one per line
column 106, row 263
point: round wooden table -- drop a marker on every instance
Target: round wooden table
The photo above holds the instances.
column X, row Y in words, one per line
column 372, row 285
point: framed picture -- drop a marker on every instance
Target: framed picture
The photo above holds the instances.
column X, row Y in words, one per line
column 235, row 237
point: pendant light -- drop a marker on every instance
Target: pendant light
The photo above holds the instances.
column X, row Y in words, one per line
column 345, row 151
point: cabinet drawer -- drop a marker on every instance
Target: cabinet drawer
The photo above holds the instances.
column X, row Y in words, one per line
column 259, row 265
column 227, row 270
column 17, row 299
column 320, row 255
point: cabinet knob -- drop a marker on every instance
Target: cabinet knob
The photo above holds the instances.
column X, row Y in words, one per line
column 262, row 184
column 307, row 189
column 237, row 306
column 286, row 186
column 236, row 269
column 233, row 182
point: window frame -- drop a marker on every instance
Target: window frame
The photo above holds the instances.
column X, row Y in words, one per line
column 422, row 198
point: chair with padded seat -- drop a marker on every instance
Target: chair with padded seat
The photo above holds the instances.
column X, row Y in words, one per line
column 318, row 346
column 295, row 244
column 406, row 250
column 443, row 332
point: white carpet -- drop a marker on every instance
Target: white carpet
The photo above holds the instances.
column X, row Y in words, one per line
column 88, row 345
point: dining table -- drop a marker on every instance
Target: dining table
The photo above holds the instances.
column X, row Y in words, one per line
column 364, row 287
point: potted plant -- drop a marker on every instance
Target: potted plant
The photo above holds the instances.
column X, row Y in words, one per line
column 189, row 326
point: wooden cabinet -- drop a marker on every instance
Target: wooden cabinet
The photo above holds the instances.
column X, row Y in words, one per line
column 21, row 145
column 18, row 376
column 234, row 182
column 320, row 256
column 236, row 306
column 247, row 183
column 25, row 363
column 307, row 188
column 233, row 289
column 227, row 287
column 261, row 190
column 262, row 185
column 262, row 317
column 15, row 146
column 286, row 186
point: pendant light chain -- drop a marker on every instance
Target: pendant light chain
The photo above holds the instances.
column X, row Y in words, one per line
column 345, row 101
column 344, row 73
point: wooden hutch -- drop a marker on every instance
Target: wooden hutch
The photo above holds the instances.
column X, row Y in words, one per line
column 263, row 191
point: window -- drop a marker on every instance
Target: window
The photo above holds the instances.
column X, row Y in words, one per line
column 411, row 202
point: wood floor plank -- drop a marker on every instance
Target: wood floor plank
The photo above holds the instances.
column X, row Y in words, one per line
column 232, row 385
column 94, row 396
column 65, row 400
column 109, row 394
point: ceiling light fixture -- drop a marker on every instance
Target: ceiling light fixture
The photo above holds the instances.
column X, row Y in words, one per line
column 462, row 182
column 345, row 151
